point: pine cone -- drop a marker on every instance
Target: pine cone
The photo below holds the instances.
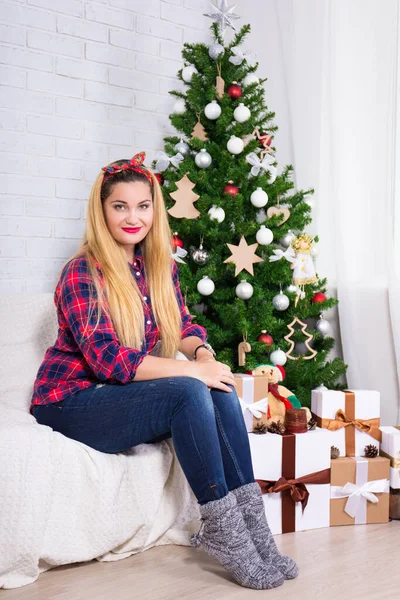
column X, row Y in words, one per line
column 312, row 424
column 260, row 428
column 371, row 451
column 335, row 452
column 278, row 428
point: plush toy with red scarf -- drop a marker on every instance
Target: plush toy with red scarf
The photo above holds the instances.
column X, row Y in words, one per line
column 279, row 397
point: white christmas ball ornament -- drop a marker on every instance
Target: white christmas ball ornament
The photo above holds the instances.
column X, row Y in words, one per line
column 264, row 236
column 188, row 72
column 249, row 79
column 244, row 290
column 205, row 286
column 179, row 107
column 212, row 110
column 278, row 357
column 241, row 113
column 235, row 145
column 280, row 301
column 323, row 326
column 215, row 51
column 203, row 159
column 217, row 213
column 259, row 198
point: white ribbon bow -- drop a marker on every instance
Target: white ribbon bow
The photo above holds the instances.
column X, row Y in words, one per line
column 164, row 160
column 265, row 164
column 289, row 254
column 180, row 252
column 256, row 409
column 356, row 493
column 239, row 57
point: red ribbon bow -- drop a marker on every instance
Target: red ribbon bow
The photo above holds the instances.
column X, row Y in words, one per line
column 134, row 164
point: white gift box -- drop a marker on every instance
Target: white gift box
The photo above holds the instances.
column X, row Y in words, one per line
column 253, row 396
column 390, row 448
column 311, row 454
column 361, row 407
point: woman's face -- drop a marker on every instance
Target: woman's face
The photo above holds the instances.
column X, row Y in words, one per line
column 128, row 212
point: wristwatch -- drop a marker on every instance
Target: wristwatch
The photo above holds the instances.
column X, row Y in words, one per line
column 205, row 345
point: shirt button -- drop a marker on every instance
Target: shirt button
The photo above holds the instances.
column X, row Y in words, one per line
column 135, row 264
column 145, row 298
column 137, row 274
column 148, row 322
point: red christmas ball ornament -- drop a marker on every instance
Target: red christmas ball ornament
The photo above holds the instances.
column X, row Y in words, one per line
column 265, row 139
column 231, row 189
column 265, row 337
column 234, row 91
column 159, row 177
column 319, row 297
column 177, row 241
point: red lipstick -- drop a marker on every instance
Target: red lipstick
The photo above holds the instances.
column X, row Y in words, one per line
column 131, row 229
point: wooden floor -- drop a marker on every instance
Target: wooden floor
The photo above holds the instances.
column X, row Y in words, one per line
column 341, row 563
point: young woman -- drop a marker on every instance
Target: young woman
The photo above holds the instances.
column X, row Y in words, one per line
column 111, row 379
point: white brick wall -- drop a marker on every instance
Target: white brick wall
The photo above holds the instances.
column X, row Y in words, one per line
column 82, row 83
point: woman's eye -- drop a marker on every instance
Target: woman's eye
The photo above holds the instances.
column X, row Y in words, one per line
column 145, row 206
column 117, row 206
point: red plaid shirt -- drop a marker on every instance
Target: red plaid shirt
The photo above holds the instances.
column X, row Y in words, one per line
column 72, row 365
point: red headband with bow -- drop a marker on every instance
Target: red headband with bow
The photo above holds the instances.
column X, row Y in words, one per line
column 135, row 164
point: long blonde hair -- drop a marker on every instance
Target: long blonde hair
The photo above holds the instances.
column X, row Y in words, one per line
column 119, row 296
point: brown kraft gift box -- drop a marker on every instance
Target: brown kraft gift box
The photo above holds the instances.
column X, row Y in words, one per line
column 360, row 470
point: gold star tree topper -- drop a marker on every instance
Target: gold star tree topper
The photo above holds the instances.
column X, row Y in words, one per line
column 243, row 256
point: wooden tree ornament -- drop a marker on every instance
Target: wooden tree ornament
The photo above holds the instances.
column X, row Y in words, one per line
column 184, row 198
column 199, row 132
column 309, row 337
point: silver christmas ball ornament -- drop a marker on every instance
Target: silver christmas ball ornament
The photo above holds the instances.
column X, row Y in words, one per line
column 182, row 147
column 323, row 326
column 278, row 357
column 200, row 255
column 203, row 159
column 244, row 290
column 215, row 51
column 287, row 239
column 280, row 301
column 300, row 348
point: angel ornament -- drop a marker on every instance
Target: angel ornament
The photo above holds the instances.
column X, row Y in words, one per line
column 299, row 254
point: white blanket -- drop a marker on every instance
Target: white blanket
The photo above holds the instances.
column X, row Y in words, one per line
column 61, row 501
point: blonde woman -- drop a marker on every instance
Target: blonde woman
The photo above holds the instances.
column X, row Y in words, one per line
column 111, row 379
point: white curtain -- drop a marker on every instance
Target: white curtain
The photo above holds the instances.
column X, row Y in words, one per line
column 340, row 64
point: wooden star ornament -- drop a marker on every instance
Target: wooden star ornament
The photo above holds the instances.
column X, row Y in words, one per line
column 243, row 256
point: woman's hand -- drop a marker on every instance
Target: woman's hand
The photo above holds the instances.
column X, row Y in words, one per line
column 213, row 373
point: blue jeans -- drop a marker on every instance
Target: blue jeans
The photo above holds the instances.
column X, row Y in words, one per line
column 207, row 427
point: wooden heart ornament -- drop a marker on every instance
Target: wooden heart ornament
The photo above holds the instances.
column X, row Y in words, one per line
column 281, row 211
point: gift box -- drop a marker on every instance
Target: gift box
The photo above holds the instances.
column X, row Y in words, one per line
column 293, row 471
column 359, row 490
column 390, row 449
column 352, row 417
column 253, row 396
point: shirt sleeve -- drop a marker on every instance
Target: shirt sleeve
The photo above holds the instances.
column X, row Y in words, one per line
column 101, row 348
column 188, row 328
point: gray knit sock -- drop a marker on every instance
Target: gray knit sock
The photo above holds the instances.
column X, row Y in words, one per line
column 250, row 502
column 224, row 535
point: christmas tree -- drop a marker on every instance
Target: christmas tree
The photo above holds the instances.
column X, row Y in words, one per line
column 248, row 274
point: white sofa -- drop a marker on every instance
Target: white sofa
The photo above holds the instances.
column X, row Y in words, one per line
column 61, row 501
